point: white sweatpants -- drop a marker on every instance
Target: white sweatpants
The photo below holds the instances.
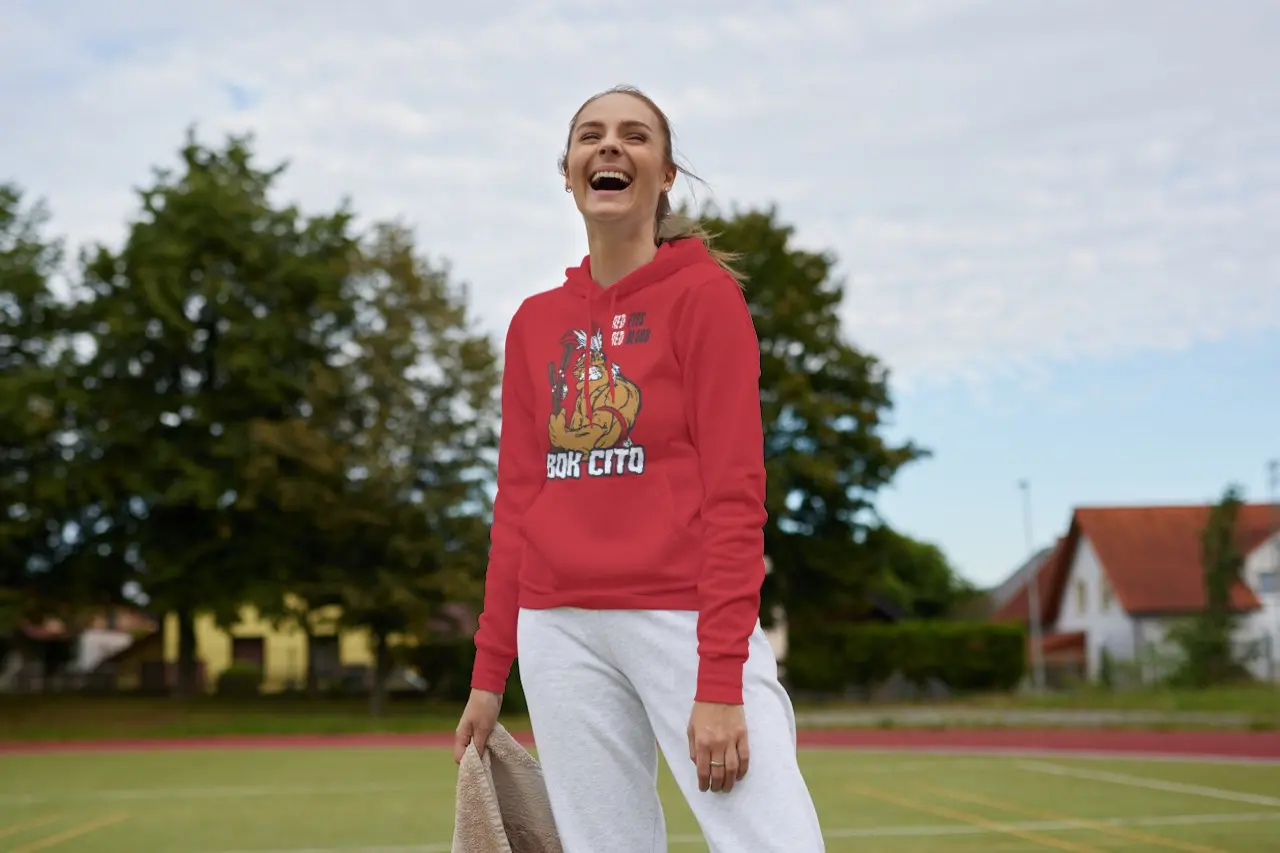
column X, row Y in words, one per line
column 602, row 686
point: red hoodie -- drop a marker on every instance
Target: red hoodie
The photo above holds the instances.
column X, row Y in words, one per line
column 642, row 487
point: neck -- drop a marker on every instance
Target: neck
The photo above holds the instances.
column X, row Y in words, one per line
column 616, row 252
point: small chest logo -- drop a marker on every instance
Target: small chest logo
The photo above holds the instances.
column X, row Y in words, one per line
column 629, row 329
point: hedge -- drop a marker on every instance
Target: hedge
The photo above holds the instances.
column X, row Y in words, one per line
column 965, row 656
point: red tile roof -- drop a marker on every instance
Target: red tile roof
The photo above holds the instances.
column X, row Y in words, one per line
column 1050, row 577
column 1151, row 555
column 55, row 628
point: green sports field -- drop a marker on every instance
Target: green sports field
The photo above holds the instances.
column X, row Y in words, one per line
column 400, row 800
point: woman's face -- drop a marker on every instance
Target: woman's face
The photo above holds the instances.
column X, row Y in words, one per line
column 617, row 165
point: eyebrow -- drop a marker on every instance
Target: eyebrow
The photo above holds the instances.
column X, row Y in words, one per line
column 629, row 123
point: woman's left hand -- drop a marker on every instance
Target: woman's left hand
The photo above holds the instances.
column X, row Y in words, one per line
column 718, row 745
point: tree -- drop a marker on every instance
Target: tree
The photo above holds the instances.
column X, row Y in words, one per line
column 824, row 404
column 37, row 403
column 1207, row 639
column 916, row 576
column 220, row 314
column 397, row 466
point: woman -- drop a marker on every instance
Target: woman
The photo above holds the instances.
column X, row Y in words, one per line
column 627, row 546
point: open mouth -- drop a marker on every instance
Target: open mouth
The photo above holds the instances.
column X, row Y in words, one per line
column 609, row 181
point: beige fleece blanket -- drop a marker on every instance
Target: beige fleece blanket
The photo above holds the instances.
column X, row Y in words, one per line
column 502, row 804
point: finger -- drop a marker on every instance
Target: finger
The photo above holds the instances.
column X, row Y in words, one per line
column 744, row 756
column 731, row 763
column 718, row 768
column 693, row 750
column 704, row 768
column 481, row 738
column 461, row 738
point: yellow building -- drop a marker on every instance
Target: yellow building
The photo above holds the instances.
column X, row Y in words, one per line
column 281, row 651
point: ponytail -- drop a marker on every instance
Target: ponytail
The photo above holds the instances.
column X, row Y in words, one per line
column 669, row 226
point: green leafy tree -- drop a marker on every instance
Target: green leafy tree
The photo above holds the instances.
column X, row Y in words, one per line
column 397, row 464
column 916, row 576
column 824, row 404
column 38, row 491
column 219, row 314
column 1207, row 639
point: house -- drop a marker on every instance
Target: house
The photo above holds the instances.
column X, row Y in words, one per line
column 1120, row 577
column 280, row 650
column 55, row 653
column 1000, row 595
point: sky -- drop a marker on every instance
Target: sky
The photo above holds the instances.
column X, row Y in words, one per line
column 1058, row 223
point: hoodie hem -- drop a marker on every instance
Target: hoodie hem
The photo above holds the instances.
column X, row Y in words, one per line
column 586, row 600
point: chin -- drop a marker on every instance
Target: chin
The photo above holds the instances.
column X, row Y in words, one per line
column 610, row 212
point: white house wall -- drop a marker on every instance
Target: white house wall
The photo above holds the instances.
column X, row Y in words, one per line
column 1260, row 628
column 98, row 644
column 1264, row 625
column 1086, row 608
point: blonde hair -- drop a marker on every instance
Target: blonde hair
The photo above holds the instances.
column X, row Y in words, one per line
column 668, row 225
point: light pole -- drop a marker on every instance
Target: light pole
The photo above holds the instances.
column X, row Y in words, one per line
column 1033, row 595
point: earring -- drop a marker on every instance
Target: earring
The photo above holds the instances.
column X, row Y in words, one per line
column 568, row 189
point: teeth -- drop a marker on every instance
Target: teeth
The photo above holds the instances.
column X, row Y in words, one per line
column 595, row 176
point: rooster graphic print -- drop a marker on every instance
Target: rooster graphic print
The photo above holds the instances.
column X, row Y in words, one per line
column 594, row 408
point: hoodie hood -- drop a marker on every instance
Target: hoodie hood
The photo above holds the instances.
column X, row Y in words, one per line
column 671, row 259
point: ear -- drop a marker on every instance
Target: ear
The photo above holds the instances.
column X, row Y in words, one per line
column 669, row 177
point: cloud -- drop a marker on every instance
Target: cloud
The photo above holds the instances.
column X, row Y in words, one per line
column 1007, row 186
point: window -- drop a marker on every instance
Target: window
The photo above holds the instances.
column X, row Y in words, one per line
column 1082, row 597
column 326, row 657
column 1107, row 596
column 1267, row 583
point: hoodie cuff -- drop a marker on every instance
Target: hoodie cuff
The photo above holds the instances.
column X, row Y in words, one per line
column 491, row 672
column 719, row 681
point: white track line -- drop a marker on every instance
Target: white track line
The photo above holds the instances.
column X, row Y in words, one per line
column 875, row 831
column 999, row 752
column 1153, row 784
column 223, row 792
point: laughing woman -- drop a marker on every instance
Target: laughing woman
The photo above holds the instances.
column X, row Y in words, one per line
column 627, row 544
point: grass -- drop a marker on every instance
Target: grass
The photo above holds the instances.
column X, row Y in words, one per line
column 77, row 717
column 61, row 717
column 349, row 800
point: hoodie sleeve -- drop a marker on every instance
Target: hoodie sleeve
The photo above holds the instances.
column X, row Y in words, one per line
column 521, row 471
column 720, row 357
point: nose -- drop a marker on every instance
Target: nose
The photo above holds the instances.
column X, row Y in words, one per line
column 608, row 146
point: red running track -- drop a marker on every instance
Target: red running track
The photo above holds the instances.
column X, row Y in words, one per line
column 1191, row 744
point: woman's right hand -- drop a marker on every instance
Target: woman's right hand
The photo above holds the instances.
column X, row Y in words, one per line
column 478, row 720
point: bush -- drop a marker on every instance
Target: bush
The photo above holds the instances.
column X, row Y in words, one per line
column 965, row 656
column 446, row 667
column 240, row 679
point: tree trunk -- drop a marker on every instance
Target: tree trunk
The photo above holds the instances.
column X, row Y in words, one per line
column 312, row 676
column 381, row 673
column 188, row 681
